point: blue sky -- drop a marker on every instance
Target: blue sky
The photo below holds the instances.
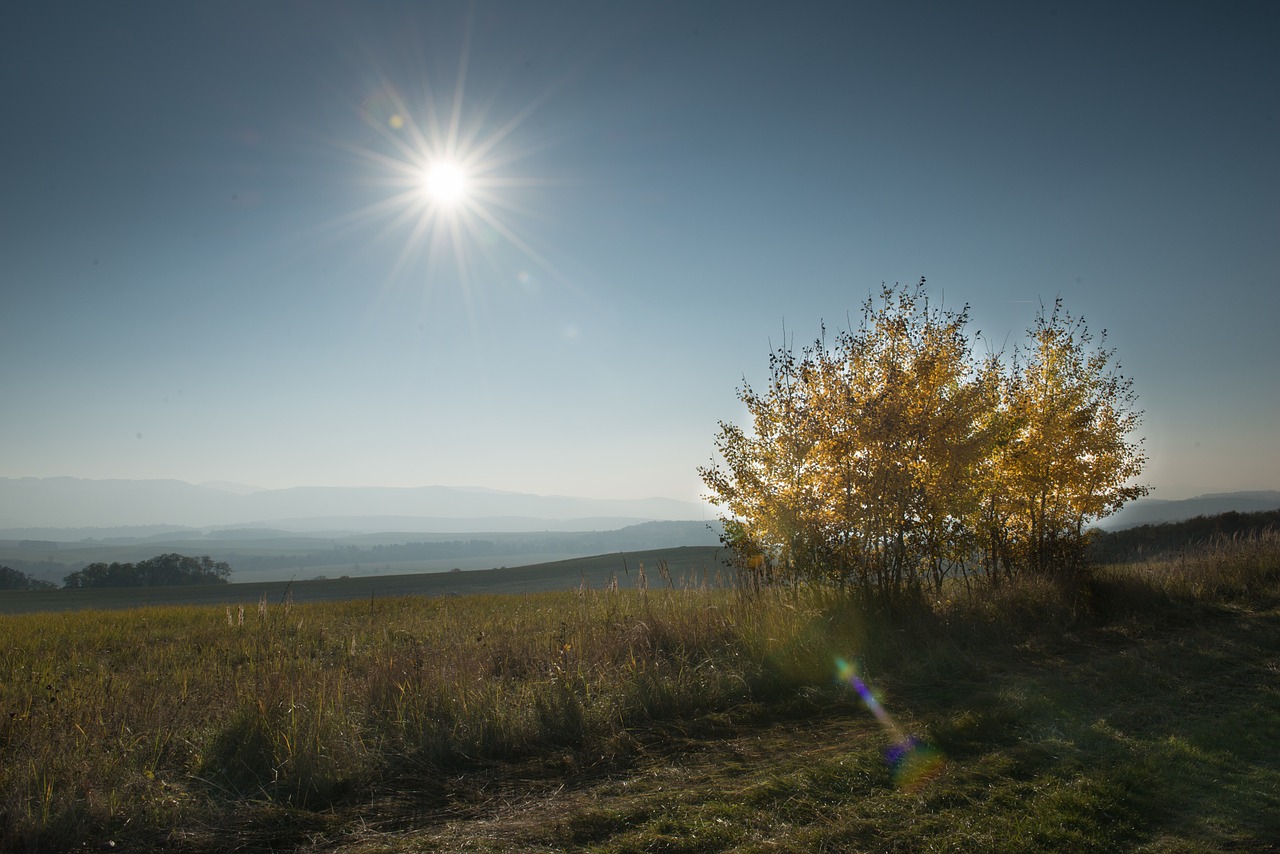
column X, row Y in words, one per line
column 212, row 267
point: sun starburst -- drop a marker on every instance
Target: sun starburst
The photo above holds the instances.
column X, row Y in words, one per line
column 450, row 193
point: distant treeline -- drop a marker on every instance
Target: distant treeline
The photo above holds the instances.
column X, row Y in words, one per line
column 161, row 571
column 1147, row 541
column 47, row 570
column 14, row 579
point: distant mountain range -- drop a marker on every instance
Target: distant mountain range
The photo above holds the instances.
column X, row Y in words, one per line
column 36, row 507
column 67, row 508
column 1153, row 511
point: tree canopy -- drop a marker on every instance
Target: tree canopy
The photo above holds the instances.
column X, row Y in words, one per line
column 166, row 569
column 892, row 457
column 13, row 579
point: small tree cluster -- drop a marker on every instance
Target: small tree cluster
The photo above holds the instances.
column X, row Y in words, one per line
column 14, row 579
column 892, row 457
column 163, row 570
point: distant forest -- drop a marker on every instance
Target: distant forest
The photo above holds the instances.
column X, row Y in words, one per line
column 15, row 579
column 161, row 571
column 1148, row 541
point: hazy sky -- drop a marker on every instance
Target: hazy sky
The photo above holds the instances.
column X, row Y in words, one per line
column 216, row 261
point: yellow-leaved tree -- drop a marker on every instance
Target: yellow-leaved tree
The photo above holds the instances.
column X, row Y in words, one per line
column 892, row 458
column 1067, row 458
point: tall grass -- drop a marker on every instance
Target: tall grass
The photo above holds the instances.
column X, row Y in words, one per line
column 1224, row 567
column 166, row 716
column 158, row 722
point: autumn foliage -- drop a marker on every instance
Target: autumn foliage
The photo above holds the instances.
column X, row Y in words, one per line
column 892, row 458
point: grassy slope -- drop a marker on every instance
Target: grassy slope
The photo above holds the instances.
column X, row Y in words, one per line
column 1152, row 733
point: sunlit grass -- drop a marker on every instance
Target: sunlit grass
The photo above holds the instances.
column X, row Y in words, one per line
column 158, row 715
column 1142, row 710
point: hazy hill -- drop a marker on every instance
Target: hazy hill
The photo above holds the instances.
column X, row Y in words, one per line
column 261, row 555
column 1153, row 511
column 66, row 502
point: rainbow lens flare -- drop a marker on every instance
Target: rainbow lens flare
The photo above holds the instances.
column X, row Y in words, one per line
column 913, row 763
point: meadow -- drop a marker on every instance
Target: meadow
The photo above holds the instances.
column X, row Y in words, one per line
column 1139, row 710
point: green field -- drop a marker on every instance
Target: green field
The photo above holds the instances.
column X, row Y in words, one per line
column 1137, row 711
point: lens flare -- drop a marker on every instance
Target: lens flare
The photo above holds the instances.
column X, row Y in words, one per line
column 913, row 763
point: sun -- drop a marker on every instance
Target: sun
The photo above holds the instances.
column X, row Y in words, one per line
column 445, row 182
column 446, row 179
column 453, row 197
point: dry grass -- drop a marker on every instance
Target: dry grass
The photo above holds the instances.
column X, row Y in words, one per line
column 202, row 729
column 112, row 722
column 1153, row 727
column 1224, row 568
